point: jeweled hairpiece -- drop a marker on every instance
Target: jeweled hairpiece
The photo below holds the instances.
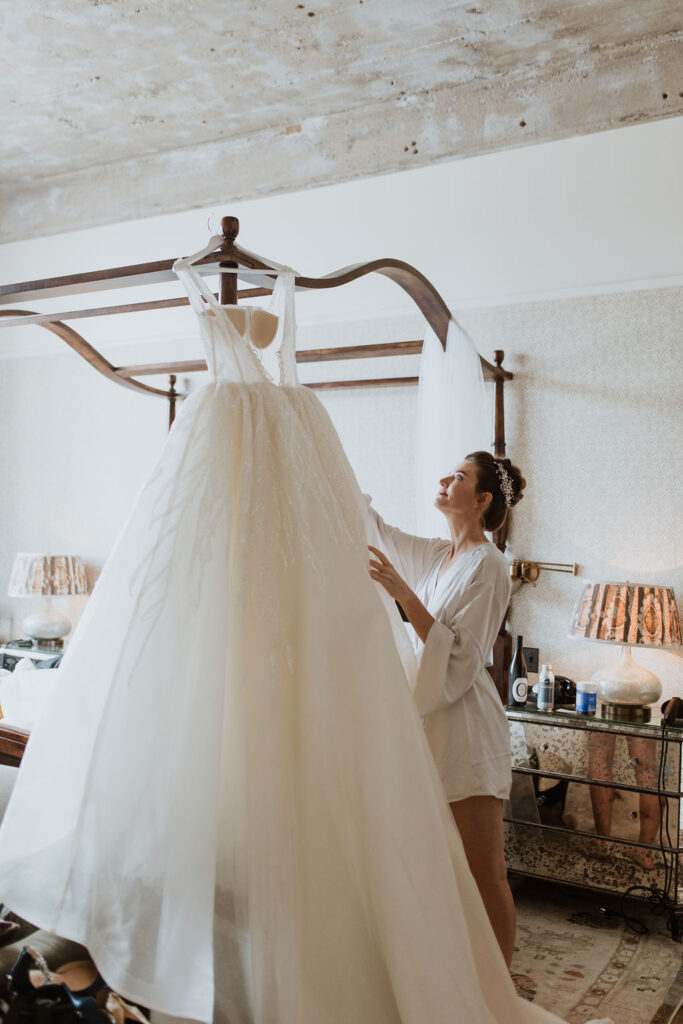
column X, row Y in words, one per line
column 505, row 483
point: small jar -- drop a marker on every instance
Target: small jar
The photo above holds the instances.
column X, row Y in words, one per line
column 586, row 698
column 546, row 689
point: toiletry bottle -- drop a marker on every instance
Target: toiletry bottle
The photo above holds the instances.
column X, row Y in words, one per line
column 546, row 689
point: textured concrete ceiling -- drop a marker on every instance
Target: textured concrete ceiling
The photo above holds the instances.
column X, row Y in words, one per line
column 116, row 109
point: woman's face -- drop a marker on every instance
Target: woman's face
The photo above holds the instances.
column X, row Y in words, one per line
column 458, row 494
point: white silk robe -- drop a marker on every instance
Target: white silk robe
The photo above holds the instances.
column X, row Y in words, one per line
column 464, row 719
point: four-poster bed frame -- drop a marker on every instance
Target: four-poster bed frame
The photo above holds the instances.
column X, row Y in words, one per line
column 230, row 255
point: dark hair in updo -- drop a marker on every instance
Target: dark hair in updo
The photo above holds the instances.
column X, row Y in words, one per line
column 489, row 480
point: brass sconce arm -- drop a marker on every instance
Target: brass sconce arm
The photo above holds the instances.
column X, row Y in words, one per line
column 528, row 572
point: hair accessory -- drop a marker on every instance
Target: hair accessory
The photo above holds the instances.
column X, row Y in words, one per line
column 505, row 483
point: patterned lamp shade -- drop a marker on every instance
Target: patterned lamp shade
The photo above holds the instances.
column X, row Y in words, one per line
column 49, row 575
column 627, row 613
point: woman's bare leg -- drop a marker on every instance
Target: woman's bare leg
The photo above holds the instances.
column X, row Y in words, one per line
column 600, row 757
column 645, row 752
column 480, row 823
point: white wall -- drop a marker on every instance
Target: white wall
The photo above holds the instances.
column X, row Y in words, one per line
column 514, row 241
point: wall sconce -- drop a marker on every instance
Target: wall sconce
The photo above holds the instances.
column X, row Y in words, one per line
column 528, row 572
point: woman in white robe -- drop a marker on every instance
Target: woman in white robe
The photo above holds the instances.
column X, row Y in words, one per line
column 455, row 595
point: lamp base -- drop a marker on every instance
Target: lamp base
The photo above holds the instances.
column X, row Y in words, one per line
column 625, row 682
column 48, row 645
column 634, row 714
column 47, row 625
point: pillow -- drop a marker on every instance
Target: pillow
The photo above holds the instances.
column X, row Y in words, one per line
column 24, row 692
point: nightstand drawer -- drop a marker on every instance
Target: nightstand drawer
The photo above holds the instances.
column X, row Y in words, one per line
column 576, row 806
column 609, row 865
column 594, row 754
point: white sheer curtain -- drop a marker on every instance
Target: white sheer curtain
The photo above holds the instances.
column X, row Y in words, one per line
column 453, row 418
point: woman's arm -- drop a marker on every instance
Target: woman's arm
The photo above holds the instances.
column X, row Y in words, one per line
column 456, row 650
column 382, row 571
column 411, row 555
column 455, row 647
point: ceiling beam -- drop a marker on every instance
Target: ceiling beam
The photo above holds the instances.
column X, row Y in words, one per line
column 630, row 84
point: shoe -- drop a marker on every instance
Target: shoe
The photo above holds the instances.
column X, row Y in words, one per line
column 121, row 1012
column 81, row 977
column 23, row 1000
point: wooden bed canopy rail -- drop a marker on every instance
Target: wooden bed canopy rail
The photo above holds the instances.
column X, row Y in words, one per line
column 229, row 254
column 420, row 289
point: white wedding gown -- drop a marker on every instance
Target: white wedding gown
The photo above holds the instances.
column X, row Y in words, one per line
column 230, row 799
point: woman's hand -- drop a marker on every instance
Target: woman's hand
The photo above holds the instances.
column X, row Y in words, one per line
column 382, row 571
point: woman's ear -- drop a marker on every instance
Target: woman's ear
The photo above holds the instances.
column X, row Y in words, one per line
column 484, row 500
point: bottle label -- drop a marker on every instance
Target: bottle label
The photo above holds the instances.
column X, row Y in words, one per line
column 545, row 695
column 520, row 689
column 585, row 702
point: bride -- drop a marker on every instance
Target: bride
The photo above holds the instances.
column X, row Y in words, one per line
column 455, row 595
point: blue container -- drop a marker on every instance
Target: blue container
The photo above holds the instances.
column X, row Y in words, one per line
column 586, row 698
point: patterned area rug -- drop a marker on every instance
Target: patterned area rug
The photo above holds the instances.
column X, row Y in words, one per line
column 582, row 963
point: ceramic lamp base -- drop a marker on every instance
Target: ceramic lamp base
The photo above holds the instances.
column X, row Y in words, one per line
column 627, row 683
column 635, row 714
column 47, row 624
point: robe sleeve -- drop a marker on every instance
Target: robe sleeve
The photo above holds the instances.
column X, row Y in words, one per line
column 457, row 648
column 410, row 555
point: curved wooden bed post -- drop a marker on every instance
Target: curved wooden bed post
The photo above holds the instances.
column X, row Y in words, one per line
column 502, row 647
column 229, row 254
column 230, row 227
column 78, row 343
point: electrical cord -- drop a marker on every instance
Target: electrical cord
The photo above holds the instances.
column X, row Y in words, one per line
column 658, row 898
column 673, row 1015
column 634, row 924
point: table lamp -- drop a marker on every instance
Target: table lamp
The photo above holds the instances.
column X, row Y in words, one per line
column 630, row 614
column 49, row 575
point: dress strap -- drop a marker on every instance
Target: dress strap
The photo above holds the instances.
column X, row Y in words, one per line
column 282, row 306
column 198, row 292
column 283, row 348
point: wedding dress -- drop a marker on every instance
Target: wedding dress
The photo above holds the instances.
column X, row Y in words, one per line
column 229, row 799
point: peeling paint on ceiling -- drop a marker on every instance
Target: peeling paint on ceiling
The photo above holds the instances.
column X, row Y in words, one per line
column 133, row 96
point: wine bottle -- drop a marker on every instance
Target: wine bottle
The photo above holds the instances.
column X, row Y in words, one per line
column 517, row 678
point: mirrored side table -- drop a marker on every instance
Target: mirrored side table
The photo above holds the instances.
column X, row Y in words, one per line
column 597, row 804
column 11, row 653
